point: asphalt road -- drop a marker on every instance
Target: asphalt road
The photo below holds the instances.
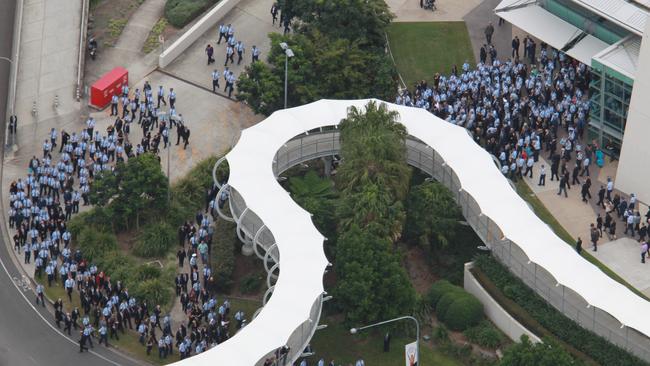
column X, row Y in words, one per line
column 28, row 335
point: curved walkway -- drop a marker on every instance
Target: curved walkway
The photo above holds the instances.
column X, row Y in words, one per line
column 268, row 218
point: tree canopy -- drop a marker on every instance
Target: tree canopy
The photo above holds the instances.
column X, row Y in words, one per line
column 527, row 353
column 373, row 178
column 134, row 187
column 338, row 51
column 432, row 215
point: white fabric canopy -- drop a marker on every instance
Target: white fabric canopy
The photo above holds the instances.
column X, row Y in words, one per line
column 549, row 28
column 301, row 246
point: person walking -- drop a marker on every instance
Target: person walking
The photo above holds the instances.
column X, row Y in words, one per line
column 230, row 54
column 644, row 250
column 542, row 176
column 563, row 186
column 209, row 50
column 215, row 81
column 601, row 197
column 579, row 245
column 255, row 52
column 599, row 224
column 489, row 31
column 594, row 237
column 239, row 47
column 610, row 188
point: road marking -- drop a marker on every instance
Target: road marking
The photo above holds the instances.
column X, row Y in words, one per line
column 15, row 283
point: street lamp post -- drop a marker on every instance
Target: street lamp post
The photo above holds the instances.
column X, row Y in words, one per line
column 417, row 331
column 288, row 53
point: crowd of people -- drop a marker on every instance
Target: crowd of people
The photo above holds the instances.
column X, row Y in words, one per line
column 232, row 47
column 42, row 203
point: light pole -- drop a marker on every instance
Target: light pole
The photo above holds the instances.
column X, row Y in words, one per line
column 417, row 331
column 288, row 53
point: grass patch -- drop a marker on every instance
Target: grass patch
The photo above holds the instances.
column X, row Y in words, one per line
column 336, row 343
column 152, row 40
column 115, row 28
column 542, row 212
column 422, row 49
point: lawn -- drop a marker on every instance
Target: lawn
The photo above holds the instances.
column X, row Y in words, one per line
column 422, row 49
column 336, row 343
column 542, row 212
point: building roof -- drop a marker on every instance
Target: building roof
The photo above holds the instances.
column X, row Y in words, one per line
column 629, row 15
column 622, row 56
column 551, row 29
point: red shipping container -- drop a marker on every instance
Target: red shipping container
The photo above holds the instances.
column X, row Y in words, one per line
column 103, row 89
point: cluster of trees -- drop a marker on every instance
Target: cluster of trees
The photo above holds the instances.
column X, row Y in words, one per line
column 339, row 48
column 373, row 179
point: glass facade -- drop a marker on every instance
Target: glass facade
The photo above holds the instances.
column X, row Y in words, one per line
column 610, row 99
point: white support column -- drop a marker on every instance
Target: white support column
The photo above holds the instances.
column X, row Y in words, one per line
column 247, row 247
column 256, row 242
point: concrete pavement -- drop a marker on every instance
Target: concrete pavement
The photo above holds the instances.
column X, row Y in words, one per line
column 139, row 26
column 446, row 10
column 252, row 22
column 477, row 19
column 48, row 60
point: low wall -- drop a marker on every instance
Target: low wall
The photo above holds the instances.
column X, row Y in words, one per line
column 209, row 21
column 508, row 325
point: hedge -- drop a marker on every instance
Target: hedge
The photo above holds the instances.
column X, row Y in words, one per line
column 486, row 335
column 95, row 244
column 181, row 12
column 544, row 320
column 455, row 307
column 464, row 313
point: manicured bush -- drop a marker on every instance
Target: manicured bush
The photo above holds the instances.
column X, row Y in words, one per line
column 181, row 12
column 543, row 319
column 463, row 313
column 223, row 254
column 445, row 302
column 155, row 241
column 437, row 290
column 485, row 334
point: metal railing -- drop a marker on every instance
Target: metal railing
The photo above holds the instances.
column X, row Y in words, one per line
column 325, row 142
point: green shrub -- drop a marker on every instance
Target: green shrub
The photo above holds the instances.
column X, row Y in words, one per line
column 155, row 241
column 543, row 319
column 463, row 313
column 445, row 302
column 485, row 334
column 94, row 244
column 147, row 272
column 440, row 334
column 181, row 12
column 437, row 290
column 251, row 284
column 223, row 254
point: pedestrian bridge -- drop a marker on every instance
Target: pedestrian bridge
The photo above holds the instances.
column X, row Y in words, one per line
column 282, row 234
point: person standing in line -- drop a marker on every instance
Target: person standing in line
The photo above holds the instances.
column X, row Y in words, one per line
column 515, row 47
column 489, row 31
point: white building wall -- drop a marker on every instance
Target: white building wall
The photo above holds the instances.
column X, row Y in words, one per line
column 633, row 174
